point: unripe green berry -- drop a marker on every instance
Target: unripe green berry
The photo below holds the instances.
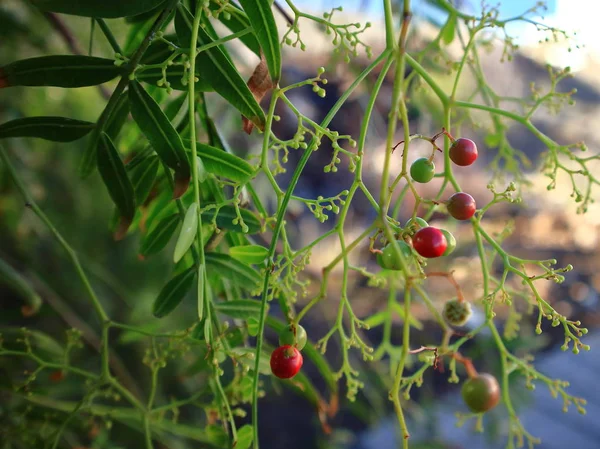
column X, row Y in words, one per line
column 293, row 336
column 388, row 258
column 451, row 242
column 416, row 224
column 422, row 170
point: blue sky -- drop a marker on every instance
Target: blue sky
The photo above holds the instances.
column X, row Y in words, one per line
column 507, row 7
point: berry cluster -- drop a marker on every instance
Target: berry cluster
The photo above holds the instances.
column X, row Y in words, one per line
column 287, row 360
column 428, row 241
column 480, row 392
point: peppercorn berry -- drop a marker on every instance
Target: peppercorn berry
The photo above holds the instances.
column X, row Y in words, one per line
column 430, row 242
column 416, row 224
column 422, row 170
column 481, row 393
column 388, row 258
column 456, row 312
column 286, row 361
column 463, row 152
column 450, row 240
column 461, row 206
column 293, row 335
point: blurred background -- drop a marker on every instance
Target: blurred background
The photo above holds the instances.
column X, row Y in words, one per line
column 545, row 224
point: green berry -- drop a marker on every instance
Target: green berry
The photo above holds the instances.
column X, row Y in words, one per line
column 481, row 393
column 415, row 225
column 456, row 312
column 293, row 336
column 451, row 242
column 388, row 258
column 422, row 170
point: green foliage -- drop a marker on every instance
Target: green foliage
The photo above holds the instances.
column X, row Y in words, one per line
column 57, row 129
column 162, row 174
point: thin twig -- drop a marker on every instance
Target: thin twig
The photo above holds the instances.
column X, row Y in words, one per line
column 284, row 13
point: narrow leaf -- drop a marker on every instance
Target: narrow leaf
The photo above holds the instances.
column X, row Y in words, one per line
column 160, row 132
column 96, row 8
column 158, row 238
column 227, row 219
column 222, row 75
column 239, row 308
column 114, row 123
column 188, row 232
column 143, row 176
column 57, row 129
column 254, row 254
column 173, row 293
column 173, row 108
column 237, row 272
column 118, row 184
column 221, row 163
column 59, row 71
column 260, row 14
column 118, row 117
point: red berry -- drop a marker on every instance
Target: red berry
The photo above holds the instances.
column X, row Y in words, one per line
column 430, row 242
column 463, row 152
column 286, row 361
column 461, row 206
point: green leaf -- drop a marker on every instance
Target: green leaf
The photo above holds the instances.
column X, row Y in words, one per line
column 158, row 238
column 253, row 325
column 226, row 216
column 245, row 435
column 255, row 254
column 12, row 279
column 117, row 182
column 59, row 71
column 165, row 140
column 221, row 74
column 236, row 20
column 261, row 17
column 221, row 163
column 98, row 8
column 448, row 31
column 114, row 123
column 57, row 129
column 173, row 108
column 188, row 232
column 143, row 176
column 118, row 116
column 173, row 293
column 242, row 309
column 223, row 265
